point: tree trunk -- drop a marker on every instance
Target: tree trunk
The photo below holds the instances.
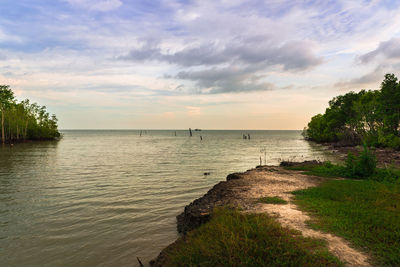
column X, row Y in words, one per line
column 26, row 129
column 3, row 140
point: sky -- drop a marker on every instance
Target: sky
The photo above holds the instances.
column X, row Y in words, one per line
column 168, row 64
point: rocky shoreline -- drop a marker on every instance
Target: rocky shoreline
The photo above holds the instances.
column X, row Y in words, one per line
column 198, row 212
column 244, row 190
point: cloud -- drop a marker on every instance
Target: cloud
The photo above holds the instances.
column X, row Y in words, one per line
column 387, row 59
column 367, row 81
column 193, row 111
column 388, row 50
column 235, row 65
column 96, row 5
column 294, row 55
column 225, row 80
column 9, row 38
column 208, row 48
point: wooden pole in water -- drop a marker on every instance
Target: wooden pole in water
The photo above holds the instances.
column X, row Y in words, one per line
column 140, row 133
column 140, row 262
column 190, row 132
column 201, row 138
column 175, row 133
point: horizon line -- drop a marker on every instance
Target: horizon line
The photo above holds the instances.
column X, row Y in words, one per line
column 170, row 129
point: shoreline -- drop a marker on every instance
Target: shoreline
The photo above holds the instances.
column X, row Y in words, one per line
column 24, row 141
column 243, row 190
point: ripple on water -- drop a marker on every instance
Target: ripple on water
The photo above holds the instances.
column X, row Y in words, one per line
column 107, row 197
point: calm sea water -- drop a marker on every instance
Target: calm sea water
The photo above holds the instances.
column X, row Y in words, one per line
column 107, row 197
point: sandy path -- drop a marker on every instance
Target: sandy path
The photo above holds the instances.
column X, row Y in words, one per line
column 274, row 181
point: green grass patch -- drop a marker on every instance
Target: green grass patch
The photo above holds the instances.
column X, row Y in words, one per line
column 231, row 238
column 272, row 200
column 325, row 170
column 365, row 212
column 390, row 174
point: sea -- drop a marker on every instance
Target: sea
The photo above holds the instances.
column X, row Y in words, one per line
column 106, row 197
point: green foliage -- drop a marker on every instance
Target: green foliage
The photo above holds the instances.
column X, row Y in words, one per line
column 365, row 212
column 234, row 239
column 272, row 200
column 23, row 120
column 389, row 175
column 389, row 140
column 6, row 97
column 363, row 166
column 372, row 117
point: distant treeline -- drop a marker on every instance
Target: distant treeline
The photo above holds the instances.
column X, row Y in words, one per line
column 23, row 120
column 370, row 117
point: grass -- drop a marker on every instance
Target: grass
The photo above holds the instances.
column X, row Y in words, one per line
column 328, row 169
column 365, row 212
column 231, row 238
column 272, row 200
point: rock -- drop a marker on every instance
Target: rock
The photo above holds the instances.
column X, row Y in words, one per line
column 304, row 163
column 200, row 210
column 233, row 176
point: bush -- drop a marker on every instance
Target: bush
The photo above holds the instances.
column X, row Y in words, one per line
column 392, row 141
column 362, row 166
column 389, row 174
column 371, row 140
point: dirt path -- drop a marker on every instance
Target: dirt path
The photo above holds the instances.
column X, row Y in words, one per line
column 279, row 182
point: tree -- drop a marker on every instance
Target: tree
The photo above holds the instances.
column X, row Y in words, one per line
column 24, row 120
column 6, row 100
column 390, row 103
column 372, row 117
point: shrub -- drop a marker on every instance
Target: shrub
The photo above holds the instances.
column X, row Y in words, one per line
column 362, row 166
column 392, row 141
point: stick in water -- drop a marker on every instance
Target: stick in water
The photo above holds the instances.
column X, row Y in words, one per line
column 140, row 263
